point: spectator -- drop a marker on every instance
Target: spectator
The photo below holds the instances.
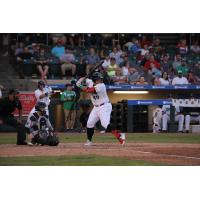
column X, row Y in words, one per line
column 67, row 61
column 195, row 48
column 145, row 59
column 135, row 47
column 119, row 78
column 196, row 71
column 151, row 63
column 106, row 62
column 179, row 80
column 182, row 47
column 144, row 50
column 58, row 37
column 21, row 59
column 166, row 65
column 58, row 50
column 142, row 81
column 183, row 67
column 177, row 61
column 125, row 69
column 92, row 59
column 117, row 55
column 133, row 76
column 112, row 67
column 157, row 48
column 164, row 80
column 42, row 60
column 124, row 60
column 144, row 42
column 35, row 49
column 192, row 78
column 155, row 81
column 19, row 49
column 119, row 49
column 155, row 71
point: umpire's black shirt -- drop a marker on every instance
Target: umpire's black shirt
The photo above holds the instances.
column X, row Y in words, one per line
column 7, row 107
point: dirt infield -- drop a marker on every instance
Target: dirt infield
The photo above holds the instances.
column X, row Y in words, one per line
column 170, row 154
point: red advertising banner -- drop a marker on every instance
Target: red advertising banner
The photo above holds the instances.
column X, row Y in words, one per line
column 28, row 101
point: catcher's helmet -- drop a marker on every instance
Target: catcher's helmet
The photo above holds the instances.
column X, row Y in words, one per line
column 40, row 106
column 96, row 76
column 41, row 83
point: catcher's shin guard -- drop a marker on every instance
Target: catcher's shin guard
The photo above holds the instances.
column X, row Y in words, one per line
column 118, row 135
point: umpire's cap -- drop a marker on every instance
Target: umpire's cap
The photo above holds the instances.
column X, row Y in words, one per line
column 13, row 91
column 40, row 105
column 97, row 76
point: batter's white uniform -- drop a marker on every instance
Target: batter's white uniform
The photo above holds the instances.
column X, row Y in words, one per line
column 102, row 107
column 45, row 99
column 166, row 117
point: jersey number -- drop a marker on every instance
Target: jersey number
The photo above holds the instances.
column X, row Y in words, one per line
column 95, row 96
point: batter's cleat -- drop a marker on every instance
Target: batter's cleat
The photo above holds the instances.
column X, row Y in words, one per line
column 88, row 143
column 102, row 132
column 119, row 136
column 123, row 143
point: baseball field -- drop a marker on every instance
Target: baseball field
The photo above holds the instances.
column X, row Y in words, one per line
column 142, row 149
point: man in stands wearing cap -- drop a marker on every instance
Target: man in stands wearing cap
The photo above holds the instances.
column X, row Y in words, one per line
column 183, row 67
column 7, row 107
column 179, row 80
column 58, row 50
column 69, row 105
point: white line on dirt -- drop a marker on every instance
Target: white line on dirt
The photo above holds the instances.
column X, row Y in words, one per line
column 171, row 155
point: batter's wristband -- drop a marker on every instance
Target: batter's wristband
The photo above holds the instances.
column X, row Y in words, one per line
column 81, row 86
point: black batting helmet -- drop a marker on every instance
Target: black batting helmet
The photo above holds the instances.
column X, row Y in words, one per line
column 96, row 76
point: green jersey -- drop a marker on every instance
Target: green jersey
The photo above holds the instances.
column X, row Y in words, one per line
column 68, row 98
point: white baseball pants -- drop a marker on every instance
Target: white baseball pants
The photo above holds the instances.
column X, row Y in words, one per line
column 101, row 113
column 178, row 118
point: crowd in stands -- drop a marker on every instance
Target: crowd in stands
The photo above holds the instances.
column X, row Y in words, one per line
column 138, row 60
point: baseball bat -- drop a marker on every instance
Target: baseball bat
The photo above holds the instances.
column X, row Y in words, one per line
column 93, row 69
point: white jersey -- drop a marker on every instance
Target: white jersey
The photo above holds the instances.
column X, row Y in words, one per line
column 179, row 81
column 45, row 99
column 100, row 96
column 166, row 109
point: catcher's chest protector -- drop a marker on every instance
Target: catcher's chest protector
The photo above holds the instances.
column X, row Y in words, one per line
column 42, row 122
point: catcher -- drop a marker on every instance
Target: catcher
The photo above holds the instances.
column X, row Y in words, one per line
column 40, row 128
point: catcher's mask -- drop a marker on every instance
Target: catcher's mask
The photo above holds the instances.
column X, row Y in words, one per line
column 40, row 106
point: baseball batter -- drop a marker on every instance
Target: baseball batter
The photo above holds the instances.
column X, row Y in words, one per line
column 102, row 107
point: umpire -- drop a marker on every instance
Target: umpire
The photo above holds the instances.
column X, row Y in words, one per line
column 7, row 107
